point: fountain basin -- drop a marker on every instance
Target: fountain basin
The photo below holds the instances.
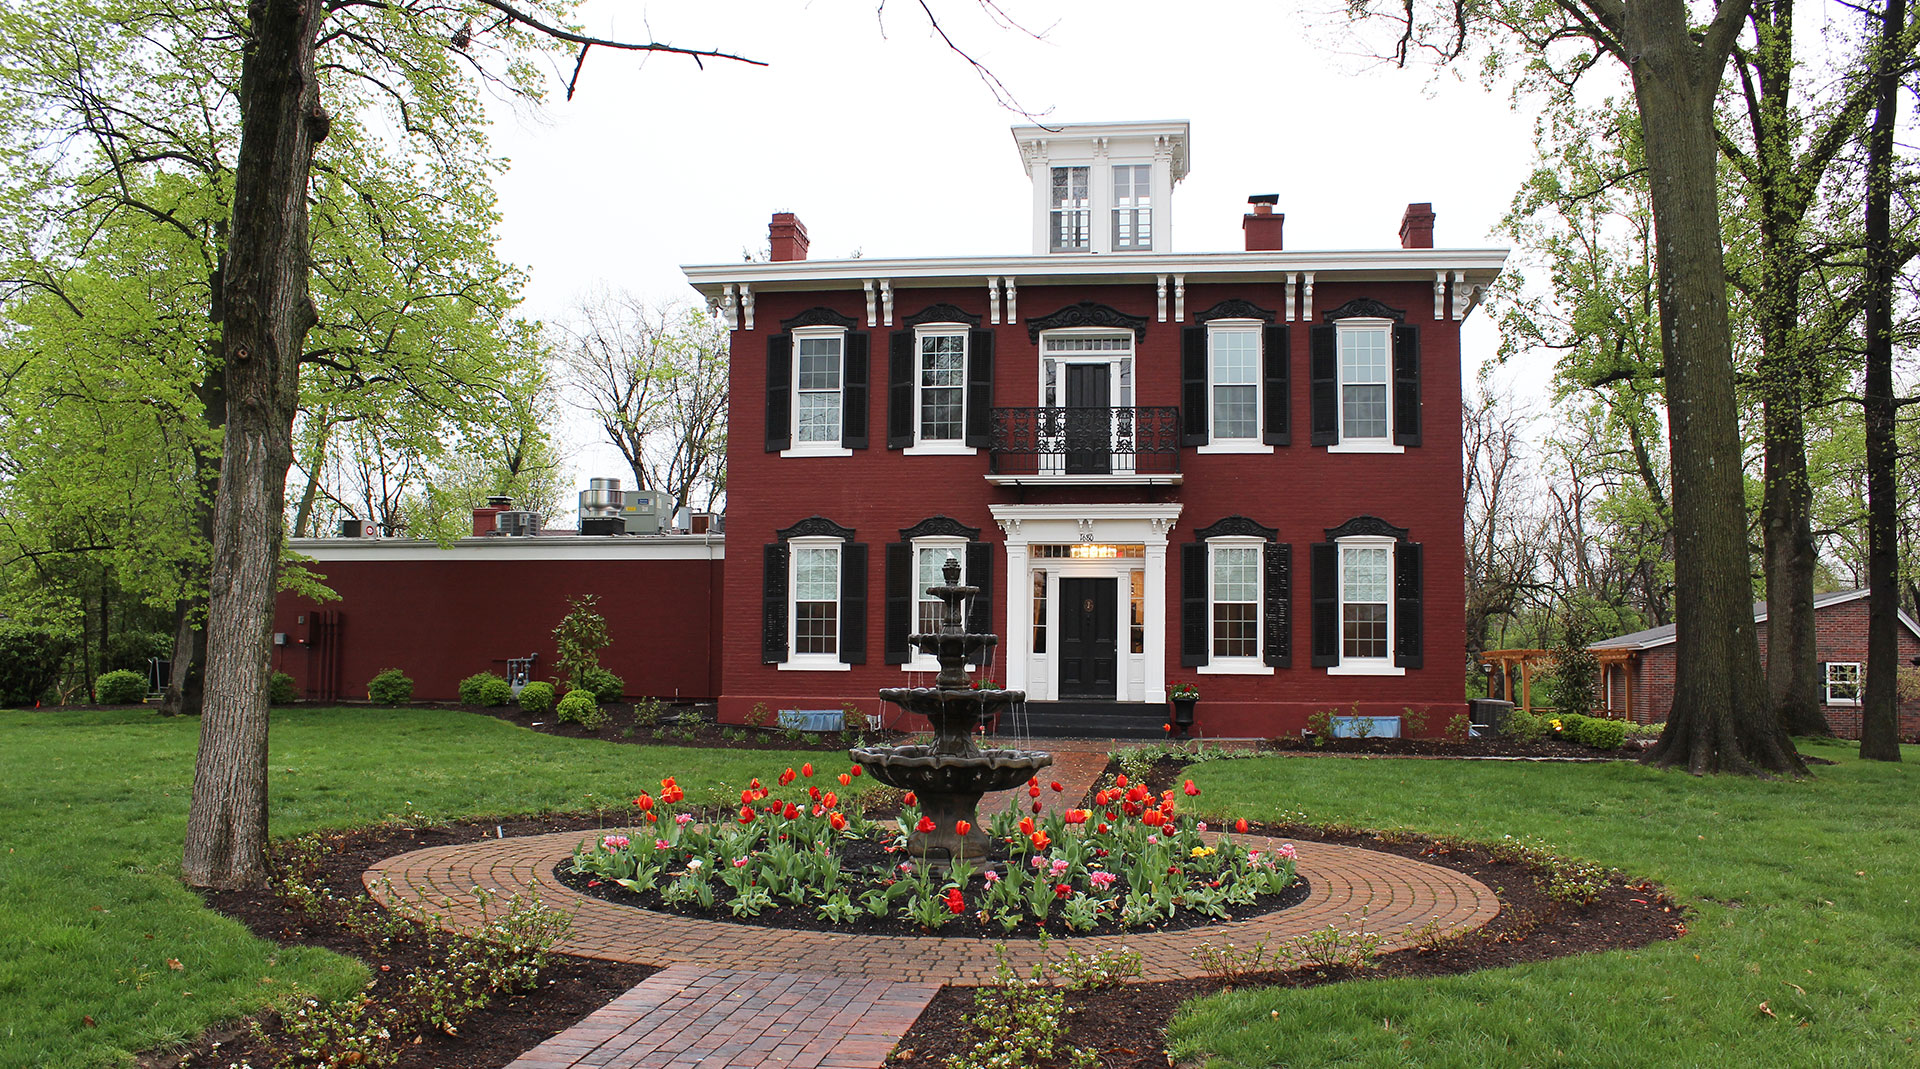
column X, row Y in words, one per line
column 949, row 786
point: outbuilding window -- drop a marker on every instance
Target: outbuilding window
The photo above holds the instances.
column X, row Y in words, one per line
column 1843, row 682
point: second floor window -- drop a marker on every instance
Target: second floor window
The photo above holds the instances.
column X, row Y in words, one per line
column 816, row 388
column 1236, row 384
column 942, row 386
column 1133, row 207
column 1364, row 370
column 1071, row 222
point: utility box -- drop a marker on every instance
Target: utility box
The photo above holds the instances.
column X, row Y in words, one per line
column 641, row 511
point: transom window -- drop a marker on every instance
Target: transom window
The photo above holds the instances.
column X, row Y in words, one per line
column 816, row 388
column 1235, row 378
column 1236, row 601
column 816, row 600
column 1843, row 683
column 1365, row 367
column 1366, row 585
column 1133, row 206
column 943, row 386
column 1072, row 218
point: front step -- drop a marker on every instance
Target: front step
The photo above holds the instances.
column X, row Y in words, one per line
column 1088, row 720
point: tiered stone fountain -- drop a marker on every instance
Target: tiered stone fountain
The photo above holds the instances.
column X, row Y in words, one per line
column 950, row 776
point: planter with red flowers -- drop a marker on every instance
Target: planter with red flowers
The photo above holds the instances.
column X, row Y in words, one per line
column 798, row 855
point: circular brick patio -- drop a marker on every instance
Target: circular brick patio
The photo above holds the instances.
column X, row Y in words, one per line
column 1395, row 893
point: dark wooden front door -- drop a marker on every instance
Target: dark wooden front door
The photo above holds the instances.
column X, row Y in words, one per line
column 1089, row 422
column 1089, row 652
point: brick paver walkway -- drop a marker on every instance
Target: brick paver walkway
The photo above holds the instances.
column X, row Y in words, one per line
column 693, row 1016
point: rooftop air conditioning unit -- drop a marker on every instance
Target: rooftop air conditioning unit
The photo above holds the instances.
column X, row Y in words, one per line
column 517, row 524
column 641, row 511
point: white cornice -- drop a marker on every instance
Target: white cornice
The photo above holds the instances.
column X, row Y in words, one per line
column 1480, row 267
column 539, row 547
column 1072, row 142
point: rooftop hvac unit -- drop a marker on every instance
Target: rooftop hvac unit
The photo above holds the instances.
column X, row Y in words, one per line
column 517, row 524
column 602, row 497
column 602, row 525
column 351, row 528
column 641, row 511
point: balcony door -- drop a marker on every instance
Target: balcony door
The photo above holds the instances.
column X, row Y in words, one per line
column 1089, row 420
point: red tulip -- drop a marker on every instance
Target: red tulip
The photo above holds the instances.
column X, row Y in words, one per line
column 926, row 825
column 791, row 811
column 1152, row 818
column 856, row 770
column 747, row 798
column 1056, row 786
column 1061, row 890
column 829, row 799
column 807, row 769
column 1119, row 781
column 1036, row 805
column 1026, row 825
column 754, row 783
column 786, row 777
column 1104, row 828
column 838, row 822
column 1192, row 791
column 1240, row 825
column 813, row 793
column 1076, row 816
column 962, row 828
column 671, row 793
column 650, row 817
column 911, row 799
column 1168, row 728
column 846, row 780
column 1040, row 840
column 746, row 815
column 1033, row 792
column 956, row 902
column 645, row 802
column 1034, row 782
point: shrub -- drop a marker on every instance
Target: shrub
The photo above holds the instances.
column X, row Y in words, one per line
column 581, row 707
column 120, row 687
column 605, row 686
column 132, row 650
column 579, row 638
column 1595, row 732
column 281, row 691
column 485, row 688
column 30, row 660
column 1524, row 726
column 536, row 698
column 391, row 687
column 1570, row 682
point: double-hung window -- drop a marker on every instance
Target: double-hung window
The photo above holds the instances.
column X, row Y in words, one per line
column 1071, row 222
column 1365, row 371
column 930, row 557
column 1133, row 207
column 1235, row 596
column 1365, row 577
column 814, row 598
column 1234, row 384
column 817, row 369
column 1235, row 585
column 1368, row 605
column 1234, row 379
column 941, row 384
column 1843, row 683
column 816, row 601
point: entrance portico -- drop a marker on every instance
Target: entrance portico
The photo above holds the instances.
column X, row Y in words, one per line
column 1111, row 641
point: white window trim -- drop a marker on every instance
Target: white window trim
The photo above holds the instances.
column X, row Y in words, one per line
column 1238, row 445
column 1362, row 666
column 1239, row 666
column 923, row 661
column 1114, row 209
column 1860, row 681
column 944, row 447
column 815, row 449
column 812, row 662
column 1385, row 443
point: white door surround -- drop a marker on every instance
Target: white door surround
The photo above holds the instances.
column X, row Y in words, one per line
column 1146, row 525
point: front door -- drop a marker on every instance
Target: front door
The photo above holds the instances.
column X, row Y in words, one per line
column 1089, row 652
column 1089, row 422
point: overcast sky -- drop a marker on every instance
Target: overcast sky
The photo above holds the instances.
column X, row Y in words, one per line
column 886, row 143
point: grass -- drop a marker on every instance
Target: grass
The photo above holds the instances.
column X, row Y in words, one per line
column 1804, row 894
column 104, row 953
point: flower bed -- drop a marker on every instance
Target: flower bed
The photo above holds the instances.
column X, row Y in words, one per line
column 794, row 856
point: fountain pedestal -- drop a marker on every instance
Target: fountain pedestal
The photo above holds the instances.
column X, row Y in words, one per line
column 951, row 775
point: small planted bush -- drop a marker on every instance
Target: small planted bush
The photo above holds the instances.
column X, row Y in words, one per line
column 605, row 686
column 120, row 687
column 281, row 691
column 536, row 698
column 582, row 708
column 391, row 687
column 485, row 688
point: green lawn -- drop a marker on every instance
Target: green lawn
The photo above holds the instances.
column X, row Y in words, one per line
column 92, row 912
column 1805, row 897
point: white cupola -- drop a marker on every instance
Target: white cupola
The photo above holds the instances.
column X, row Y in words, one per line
column 1103, row 187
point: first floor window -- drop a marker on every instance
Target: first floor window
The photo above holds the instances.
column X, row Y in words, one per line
column 816, row 372
column 1039, row 610
column 1366, row 584
column 932, row 560
column 1138, row 640
column 943, row 386
column 1236, row 601
column 1843, row 683
column 816, row 600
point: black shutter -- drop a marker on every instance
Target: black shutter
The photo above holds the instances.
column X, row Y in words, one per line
column 979, row 388
column 853, row 393
column 1821, row 667
column 1323, row 371
column 1406, row 385
column 980, row 574
column 1407, row 613
column 1193, row 604
column 899, row 609
column 773, row 606
column 900, row 390
column 1278, row 360
column 1326, row 604
column 779, row 393
column 853, row 603
column 1278, row 619
column 1193, row 386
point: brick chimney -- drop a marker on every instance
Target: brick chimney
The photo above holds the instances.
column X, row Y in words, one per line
column 1262, row 225
column 1416, row 227
column 788, row 236
column 483, row 515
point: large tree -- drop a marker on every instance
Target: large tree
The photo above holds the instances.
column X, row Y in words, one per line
column 1675, row 56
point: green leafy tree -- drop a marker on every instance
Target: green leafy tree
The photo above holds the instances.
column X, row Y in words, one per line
column 579, row 638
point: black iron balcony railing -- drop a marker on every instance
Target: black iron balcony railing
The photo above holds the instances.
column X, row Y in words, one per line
column 1085, row 441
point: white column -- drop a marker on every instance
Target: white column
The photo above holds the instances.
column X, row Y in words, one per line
column 1018, row 643
column 1100, row 197
column 1155, row 646
column 1042, row 171
column 1163, row 195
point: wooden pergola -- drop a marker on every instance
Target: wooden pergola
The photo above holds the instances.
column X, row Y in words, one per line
column 1529, row 662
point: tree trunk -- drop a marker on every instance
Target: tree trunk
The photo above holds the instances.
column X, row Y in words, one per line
column 1720, row 720
column 1879, row 714
column 267, row 312
column 184, row 692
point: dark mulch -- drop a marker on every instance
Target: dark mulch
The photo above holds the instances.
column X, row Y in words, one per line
column 686, row 724
column 1549, row 748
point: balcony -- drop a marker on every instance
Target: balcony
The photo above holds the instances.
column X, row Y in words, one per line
column 1085, row 446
